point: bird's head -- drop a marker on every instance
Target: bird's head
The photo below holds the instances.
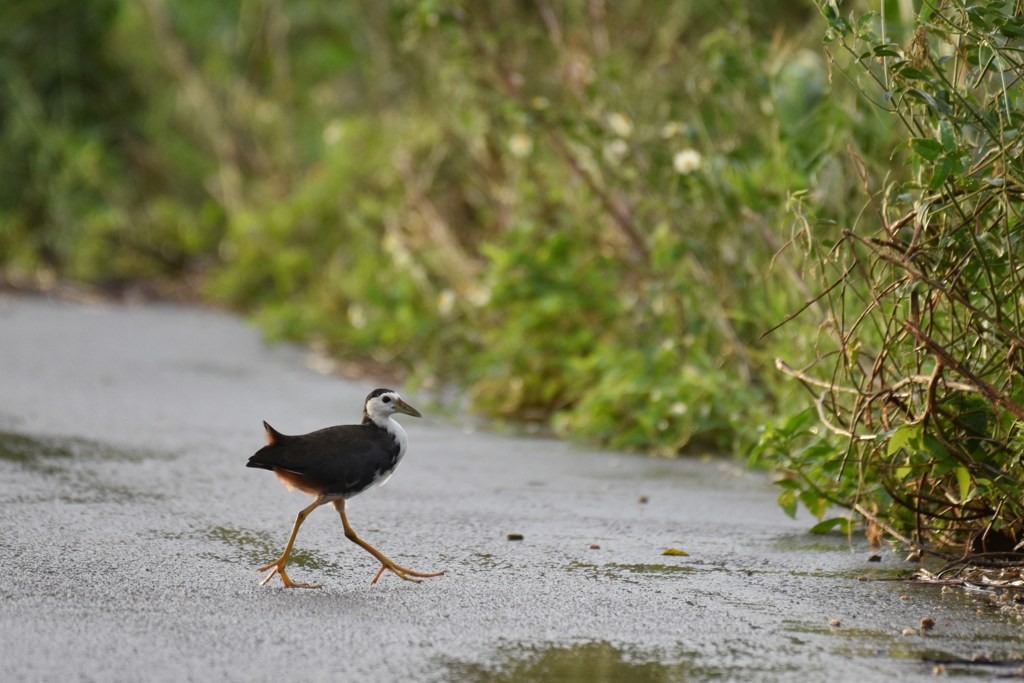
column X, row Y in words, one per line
column 383, row 403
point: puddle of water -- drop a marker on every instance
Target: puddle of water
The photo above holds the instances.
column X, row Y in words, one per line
column 598, row 662
column 67, row 460
column 489, row 561
column 980, row 667
column 615, row 569
column 628, row 573
column 818, row 543
column 650, row 568
column 24, row 449
column 259, row 548
column 34, row 451
column 924, row 646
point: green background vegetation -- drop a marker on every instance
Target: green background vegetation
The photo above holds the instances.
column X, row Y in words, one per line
column 585, row 215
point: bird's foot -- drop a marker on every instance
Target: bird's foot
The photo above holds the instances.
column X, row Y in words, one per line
column 277, row 567
column 402, row 572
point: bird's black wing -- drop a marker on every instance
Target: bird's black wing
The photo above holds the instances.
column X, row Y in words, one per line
column 344, row 459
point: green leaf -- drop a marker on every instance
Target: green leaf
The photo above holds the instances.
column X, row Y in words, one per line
column 676, row 552
column 799, row 423
column 1012, row 29
column 885, row 51
column 814, row 503
column 925, row 97
column 913, row 74
column 975, row 413
column 935, row 448
column 963, row 480
column 981, row 17
column 787, row 501
column 926, row 148
column 827, row 525
column 941, row 173
column 901, row 438
column 947, row 135
column 819, row 450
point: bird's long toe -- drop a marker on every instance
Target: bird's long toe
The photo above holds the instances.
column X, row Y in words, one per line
column 403, row 573
column 277, row 569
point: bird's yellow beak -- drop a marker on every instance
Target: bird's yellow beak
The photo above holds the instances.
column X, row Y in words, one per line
column 403, row 407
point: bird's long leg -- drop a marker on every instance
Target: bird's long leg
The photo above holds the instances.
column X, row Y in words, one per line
column 385, row 561
column 278, row 565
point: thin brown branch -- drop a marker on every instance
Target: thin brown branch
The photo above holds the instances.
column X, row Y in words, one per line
column 934, row 284
column 990, row 392
column 809, row 303
column 783, row 367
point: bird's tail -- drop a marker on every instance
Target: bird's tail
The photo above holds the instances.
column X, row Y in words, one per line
column 273, row 436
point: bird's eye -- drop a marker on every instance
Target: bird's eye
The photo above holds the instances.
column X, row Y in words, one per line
column 386, row 399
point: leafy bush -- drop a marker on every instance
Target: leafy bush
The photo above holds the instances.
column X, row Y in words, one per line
column 918, row 384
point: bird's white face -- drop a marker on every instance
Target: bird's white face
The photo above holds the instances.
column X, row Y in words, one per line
column 380, row 408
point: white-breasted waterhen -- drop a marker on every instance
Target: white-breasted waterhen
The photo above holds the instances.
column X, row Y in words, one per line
column 336, row 463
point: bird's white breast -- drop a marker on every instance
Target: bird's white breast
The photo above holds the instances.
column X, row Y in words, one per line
column 396, row 431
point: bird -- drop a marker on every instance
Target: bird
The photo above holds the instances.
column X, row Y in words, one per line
column 335, row 464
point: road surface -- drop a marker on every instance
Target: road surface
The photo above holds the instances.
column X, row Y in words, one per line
column 130, row 533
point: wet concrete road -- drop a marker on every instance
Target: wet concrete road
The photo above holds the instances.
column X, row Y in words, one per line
column 130, row 531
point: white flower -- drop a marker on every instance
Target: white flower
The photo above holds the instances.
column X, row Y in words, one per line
column 671, row 129
column 333, row 132
column 615, row 151
column 620, row 124
column 520, row 145
column 479, row 295
column 686, row 161
column 445, row 302
column 400, row 256
column 356, row 316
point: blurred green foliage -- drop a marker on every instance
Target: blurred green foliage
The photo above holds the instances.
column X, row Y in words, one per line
column 578, row 211
column 83, row 195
